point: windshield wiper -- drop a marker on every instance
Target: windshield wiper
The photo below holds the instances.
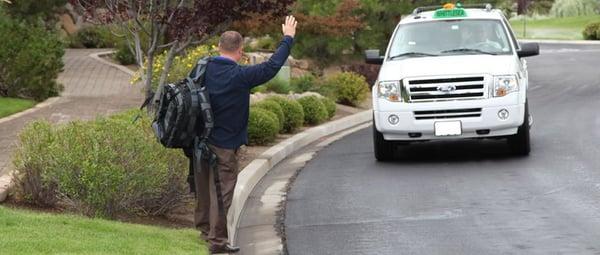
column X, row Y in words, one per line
column 469, row 50
column 413, row 54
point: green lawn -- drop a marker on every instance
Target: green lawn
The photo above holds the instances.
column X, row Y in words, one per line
column 568, row 28
column 24, row 232
column 9, row 105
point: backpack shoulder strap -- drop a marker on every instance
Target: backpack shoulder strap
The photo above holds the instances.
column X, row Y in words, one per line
column 198, row 72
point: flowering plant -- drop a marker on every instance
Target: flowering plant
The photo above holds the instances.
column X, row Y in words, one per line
column 181, row 67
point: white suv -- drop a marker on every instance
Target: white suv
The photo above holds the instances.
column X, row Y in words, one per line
column 451, row 72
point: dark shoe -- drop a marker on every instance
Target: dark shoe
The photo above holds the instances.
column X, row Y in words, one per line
column 227, row 248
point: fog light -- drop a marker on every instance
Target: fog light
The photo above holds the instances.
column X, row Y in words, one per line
column 503, row 114
column 393, row 119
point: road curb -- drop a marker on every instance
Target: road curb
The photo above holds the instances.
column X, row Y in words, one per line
column 36, row 107
column 258, row 168
column 6, row 183
column 574, row 42
column 98, row 57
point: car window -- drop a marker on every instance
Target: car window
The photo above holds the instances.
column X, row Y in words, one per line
column 451, row 37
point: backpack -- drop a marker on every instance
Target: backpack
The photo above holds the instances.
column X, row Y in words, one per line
column 184, row 114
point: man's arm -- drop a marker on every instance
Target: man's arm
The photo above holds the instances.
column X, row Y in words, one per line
column 261, row 73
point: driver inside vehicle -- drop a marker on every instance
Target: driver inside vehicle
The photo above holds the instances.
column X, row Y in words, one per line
column 479, row 37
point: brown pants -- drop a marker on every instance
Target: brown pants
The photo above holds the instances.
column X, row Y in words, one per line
column 210, row 215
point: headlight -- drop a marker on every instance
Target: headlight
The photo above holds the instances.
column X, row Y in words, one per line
column 504, row 85
column 389, row 90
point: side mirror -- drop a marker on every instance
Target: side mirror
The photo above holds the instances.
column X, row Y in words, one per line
column 373, row 57
column 528, row 50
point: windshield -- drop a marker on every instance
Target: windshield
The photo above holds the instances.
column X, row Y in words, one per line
column 450, row 37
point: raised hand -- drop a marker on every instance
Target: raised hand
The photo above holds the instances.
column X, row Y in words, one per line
column 289, row 28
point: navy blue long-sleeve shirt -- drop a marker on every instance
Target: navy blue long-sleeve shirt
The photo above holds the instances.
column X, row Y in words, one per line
column 229, row 86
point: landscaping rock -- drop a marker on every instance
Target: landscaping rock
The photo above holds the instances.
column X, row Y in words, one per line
column 299, row 63
column 6, row 183
column 296, row 72
column 305, row 94
column 68, row 24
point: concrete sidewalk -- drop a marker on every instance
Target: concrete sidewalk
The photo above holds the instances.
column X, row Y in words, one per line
column 91, row 88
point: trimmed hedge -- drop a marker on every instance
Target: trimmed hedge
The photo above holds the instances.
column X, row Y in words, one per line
column 100, row 168
column 30, row 60
column 303, row 83
column 592, row 31
column 293, row 112
column 314, row 110
column 263, row 126
column 273, row 107
column 330, row 106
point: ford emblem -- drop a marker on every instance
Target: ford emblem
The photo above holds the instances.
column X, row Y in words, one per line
column 446, row 88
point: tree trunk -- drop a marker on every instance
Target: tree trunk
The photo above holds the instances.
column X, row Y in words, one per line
column 166, row 69
column 522, row 6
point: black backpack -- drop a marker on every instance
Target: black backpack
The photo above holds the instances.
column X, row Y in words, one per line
column 184, row 113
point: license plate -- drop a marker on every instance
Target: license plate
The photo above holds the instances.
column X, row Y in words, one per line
column 448, row 128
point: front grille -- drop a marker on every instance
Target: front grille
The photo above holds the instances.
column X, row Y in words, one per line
column 438, row 89
column 448, row 114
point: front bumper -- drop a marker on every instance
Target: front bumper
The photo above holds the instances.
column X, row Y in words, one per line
column 488, row 121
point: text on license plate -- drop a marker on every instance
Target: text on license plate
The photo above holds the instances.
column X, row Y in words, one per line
column 448, row 128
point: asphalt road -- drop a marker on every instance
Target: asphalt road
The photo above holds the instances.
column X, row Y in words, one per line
column 466, row 197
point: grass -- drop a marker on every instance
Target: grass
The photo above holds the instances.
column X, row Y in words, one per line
column 10, row 106
column 567, row 28
column 24, row 232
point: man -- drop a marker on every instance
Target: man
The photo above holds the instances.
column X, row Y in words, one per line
column 479, row 38
column 229, row 87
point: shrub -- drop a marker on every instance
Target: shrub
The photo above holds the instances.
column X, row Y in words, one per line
column 303, row 83
column 571, row 8
column 314, row 110
column 327, row 89
column 32, row 11
column 329, row 106
column 263, row 126
column 294, row 114
column 266, row 43
column 124, row 55
column 277, row 85
column 592, row 31
column 180, row 68
column 350, row 88
column 540, row 7
column 369, row 71
column 30, row 60
column 94, row 37
column 273, row 107
column 101, row 168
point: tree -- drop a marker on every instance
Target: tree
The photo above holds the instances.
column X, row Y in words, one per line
column 172, row 25
column 34, row 11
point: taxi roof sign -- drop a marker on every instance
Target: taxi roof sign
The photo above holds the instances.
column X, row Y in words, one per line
column 450, row 11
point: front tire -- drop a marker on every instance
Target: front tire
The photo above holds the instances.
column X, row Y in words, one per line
column 384, row 150
column 520, row 143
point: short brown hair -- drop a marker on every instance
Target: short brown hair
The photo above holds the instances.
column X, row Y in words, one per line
column 230, row 41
